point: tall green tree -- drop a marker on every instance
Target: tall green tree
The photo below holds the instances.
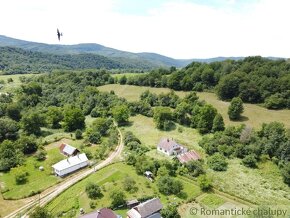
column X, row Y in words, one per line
column 54, row 116
column 8, row 129
column 121, row 114
column 10, row 155
column 161, row 116
column 218, row 123
column 236, row 108
column 32, row 121
column 73, row 118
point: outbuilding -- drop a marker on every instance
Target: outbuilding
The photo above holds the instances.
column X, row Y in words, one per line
column 70, row 164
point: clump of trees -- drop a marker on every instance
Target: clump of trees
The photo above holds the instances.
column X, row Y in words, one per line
column 93, row 190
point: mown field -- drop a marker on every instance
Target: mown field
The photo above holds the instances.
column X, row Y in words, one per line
column 111, row 178
column 254, row 115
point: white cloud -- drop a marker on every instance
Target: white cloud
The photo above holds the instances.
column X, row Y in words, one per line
column 179, row 29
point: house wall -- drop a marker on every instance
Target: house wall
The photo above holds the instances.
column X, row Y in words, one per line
column 70, row 169
column 169, row 153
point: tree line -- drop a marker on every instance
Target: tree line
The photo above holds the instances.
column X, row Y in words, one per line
column 253, row 79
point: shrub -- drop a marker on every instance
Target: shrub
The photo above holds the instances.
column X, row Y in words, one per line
column 93, row 190
column 78, row 134
column 204, row 183
column 250, row 161
column 217, row 162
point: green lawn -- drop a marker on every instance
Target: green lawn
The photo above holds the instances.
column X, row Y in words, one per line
column 259, row 186
column 212, row 201
column 111, row 178
column 144, row 128
column 254, row 115
column 37, row 180
column 11, row 87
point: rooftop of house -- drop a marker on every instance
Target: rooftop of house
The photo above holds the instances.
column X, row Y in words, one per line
column 71, row 161
column 188, row 156
column 68, row 149
column 146, row 208
column 168, row 144
column 102, row 213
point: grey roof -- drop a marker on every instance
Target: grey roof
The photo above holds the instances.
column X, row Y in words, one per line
column 70, row 162
column 147, row 208
column 69, row 149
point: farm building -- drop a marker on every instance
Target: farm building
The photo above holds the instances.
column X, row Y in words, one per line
column 70, row 164
column 188, row 156
column 102, row 213
column 170, row 147
column 147, row 209
column 68, row 150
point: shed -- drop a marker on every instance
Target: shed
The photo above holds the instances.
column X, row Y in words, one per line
column 70, row 164
column 68, row 150
column 188, row 156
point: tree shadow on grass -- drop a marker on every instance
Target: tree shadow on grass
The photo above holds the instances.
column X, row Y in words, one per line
column 241, row 119
column 45, row 133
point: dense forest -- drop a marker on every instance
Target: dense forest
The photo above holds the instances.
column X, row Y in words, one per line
column 19, row 61
column 253, row 79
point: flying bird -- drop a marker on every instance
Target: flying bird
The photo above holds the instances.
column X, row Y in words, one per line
column 59, row 34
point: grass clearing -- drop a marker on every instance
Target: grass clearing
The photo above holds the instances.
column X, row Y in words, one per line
column 111, row 178
column 212, row 201
column 144, row 128
column 259, row 186
column 11, row 87
column 37, row 180
column 254, row 115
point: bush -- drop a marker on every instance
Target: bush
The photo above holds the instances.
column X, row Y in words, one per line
column 40, row 155
column 250, row 161
column 93, row 190
column 204, row 183
column 235, row 109
column 217, row 162
column 168, row 185
column 118, row 198
column 78, row 134
column 21, row 177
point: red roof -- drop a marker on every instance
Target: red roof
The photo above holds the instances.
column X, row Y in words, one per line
column 188, row 156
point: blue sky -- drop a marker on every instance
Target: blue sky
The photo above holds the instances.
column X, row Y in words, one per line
column 175, row 28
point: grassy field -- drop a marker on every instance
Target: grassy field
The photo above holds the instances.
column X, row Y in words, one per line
column 259, row 186
column 254, row 115
column 11, row 87
column 119, row 75
column 37, row 180
column 144, row 128
column 111, row 178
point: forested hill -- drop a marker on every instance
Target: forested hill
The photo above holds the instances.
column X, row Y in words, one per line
column 253, row 79
column 19, row 61
column 152, row 60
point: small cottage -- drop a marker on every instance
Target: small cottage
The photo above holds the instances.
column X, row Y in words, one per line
column 68, row 150
column 147, row 209
column 170, row 147
column 70, row 164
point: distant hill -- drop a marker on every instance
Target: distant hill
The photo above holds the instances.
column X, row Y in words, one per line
column 18, row 61
column 150, row 60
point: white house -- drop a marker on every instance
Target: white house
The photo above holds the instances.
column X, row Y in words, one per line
column 170, row 147
column 147, row 209
column 70, row 165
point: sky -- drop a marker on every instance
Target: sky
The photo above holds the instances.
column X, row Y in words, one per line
column 180, row 29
